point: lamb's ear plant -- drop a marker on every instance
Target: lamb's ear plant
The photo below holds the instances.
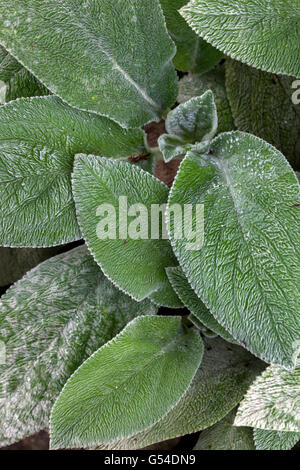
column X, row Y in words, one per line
column 91, row 350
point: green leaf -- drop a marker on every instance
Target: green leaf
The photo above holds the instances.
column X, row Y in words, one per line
column 262, row 104
column 273, row 401
column 194, row 304
column 135, row 265
column 192, row 52
column 166, row 297
column 248, row 270
column 135, row 379
column 224, row 436
column 19, row 81
column 220, row 383
column 195, row 84
column 275, row 440
column 38, row 140
column 194, row 122
column 112, row 58
column 51, row 321
column 262, row 34
column 15, row 262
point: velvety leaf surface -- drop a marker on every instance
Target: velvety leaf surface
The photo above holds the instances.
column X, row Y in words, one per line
column 221, row 381
column 195, row 84
column 193, row 122
column 128, row 384
column 248, row 271
column 20, row 83
column 262, row 104
column 194, row 304
column 275, row 440
column 273, row 401
column 224, row 436
column 137, row 266
column 51, row 321
column 15, row 262
column 192, row 52
column 263, row 34
column 38, row 140
column 166, row 296
column 113, row 58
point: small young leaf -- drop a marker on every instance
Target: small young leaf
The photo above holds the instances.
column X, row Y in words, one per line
column 185, row 292
column 273, row 401
column 15, row 262
column 194, row 122
column 220, row 383
column 19, row 81
column 192, row 52
column 50, row 322
column 224, row 436
column 248, row 271
column 260, row 33
column 195, row 84
column 112, row 58
column 275, row 440
column 262, row 104
column 38, row 140
column 135, row 262
column 128, row 384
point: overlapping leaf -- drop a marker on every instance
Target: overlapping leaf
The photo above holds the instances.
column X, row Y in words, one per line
column 125, row 249
column 260, row 33
column 128, row 384
column 221, row 381
column 50, row 322
column 273, row 401
column 275, row 440
column 192, row 52
column 248, row 270
column 112, row 58
column 38, row 140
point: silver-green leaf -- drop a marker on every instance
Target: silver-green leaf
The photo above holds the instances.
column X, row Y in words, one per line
column 263, row 34
column 128, row 384
column 275, row 440
column 38, row 140
column 248, row 269
column 122, row 244
column 112, row 58
column 52, row 320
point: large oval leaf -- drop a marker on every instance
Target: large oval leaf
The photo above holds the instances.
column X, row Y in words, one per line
column 264, row 34
column 248, row 270
column 50, row 322
column 113, row 58
column 136, row 265
column 128, row 384
column 38, row 140
column 219, row 384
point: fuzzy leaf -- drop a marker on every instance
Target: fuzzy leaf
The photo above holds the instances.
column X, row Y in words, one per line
column 19, row 81
column 273, row 401
column 224, row 436
column 248, row 271
column 190, row 125
column 128, row 384
column 263, row 34
column 38, row 140
column 195, row 305
column 137, row 266
column 112, row 58
column 166, row 296
column 51, row 321
column 192, row 52
column 275, row 440
column 221, row 381
column 262, row 104
column 195, row 84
